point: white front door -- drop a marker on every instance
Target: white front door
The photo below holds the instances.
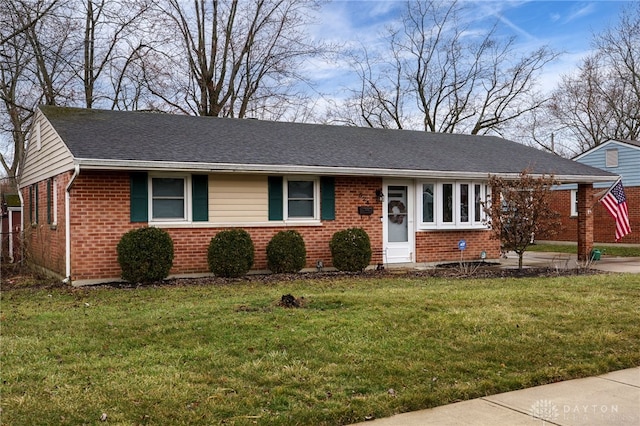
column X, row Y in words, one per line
column 398, row 222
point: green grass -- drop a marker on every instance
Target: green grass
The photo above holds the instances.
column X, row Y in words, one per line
column 228, row 354
column 606, row 249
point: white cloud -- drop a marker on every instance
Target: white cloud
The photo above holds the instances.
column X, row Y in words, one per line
column 580, row 12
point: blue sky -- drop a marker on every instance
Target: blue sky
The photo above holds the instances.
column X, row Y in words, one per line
column 565, row 26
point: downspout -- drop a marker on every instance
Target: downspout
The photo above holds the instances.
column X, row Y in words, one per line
column 21, row 224
column 67, row 225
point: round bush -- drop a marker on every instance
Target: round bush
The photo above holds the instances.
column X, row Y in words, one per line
column 286, row 252
column 350, row 249
column 145, row 255
column 231, row 253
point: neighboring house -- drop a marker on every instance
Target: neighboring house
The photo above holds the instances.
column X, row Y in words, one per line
column 89, row 176
column 621, row 158
column 10, row 217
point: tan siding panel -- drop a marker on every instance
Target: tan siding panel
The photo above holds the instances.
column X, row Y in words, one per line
column 51, row 159
column 238, row 199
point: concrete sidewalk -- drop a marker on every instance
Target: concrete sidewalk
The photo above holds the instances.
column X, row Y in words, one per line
column 609, row 399
column 570, row 261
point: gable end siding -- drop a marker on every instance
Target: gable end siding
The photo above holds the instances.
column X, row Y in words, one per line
column 628, row 161
column 51, row 159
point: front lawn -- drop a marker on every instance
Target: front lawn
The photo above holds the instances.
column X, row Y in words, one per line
column 212, row 354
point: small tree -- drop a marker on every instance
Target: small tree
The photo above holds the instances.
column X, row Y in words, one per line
column 520, row 209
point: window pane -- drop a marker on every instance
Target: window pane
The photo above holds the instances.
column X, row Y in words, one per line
column 477, row 196
column 464, row 202
column 168, row 187
column 447, row 202
column 300, row 189
column 168, row 209
column 397, row 215
column 300, row 202
column 300, row 208
column 167, row 198
column 427, row 202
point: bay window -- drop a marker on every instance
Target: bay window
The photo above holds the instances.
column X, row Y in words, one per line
column 452, row 205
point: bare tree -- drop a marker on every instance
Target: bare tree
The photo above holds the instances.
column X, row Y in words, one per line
column 8, row 31
column 601, row 101
column 65, row 52
column 15, row 113
column 110, row 37
column 236, row 53
column 31, row 72
column 457, row 82
column 520, row 209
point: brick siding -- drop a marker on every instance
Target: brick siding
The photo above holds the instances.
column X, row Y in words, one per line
column 436, row 246
column 45, row 242
column 604, row 229
column 100, row 215
column 191, row 244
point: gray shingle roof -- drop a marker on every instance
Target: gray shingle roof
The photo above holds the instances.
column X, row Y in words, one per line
column 158, row 137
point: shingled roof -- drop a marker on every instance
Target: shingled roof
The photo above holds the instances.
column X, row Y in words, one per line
column 99, row 138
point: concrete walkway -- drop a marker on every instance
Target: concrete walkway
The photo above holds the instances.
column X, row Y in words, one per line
column 609, row 399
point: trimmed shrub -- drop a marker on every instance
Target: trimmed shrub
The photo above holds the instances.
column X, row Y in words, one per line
column 350, row 249
column 231, row 253
column 145, row 255
column 286, row 252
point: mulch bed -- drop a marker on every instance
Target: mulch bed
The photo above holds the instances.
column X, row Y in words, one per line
column 17, row 279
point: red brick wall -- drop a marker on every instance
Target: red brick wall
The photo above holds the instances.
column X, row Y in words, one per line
column 436, row 246
column 604, row 225
column 100, row 216
column 191, row 245
column 45, row 242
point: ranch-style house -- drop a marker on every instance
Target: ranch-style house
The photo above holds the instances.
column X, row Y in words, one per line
column 89, row 176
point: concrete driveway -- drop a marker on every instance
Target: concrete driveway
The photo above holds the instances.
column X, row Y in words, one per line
column 570, row 261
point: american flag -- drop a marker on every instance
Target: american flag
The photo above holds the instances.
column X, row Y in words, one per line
column 616, row 204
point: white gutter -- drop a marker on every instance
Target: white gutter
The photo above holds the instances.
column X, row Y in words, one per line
column 67, row 225
column 97, row 164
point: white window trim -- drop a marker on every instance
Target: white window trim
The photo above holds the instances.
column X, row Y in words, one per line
column 574, row 203
column 187, row 198
column 437, row 205
column 316, row 199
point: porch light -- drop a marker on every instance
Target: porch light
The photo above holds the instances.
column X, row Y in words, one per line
column 380, row 195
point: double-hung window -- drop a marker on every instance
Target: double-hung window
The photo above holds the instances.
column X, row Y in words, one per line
column 301, row 199
column 168, row 200
column 447, row 205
